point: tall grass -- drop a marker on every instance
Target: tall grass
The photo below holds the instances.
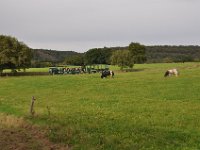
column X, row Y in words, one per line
column 135, row 110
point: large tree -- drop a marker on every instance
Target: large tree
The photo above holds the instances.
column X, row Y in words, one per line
column 98, row 56
column 122, row 58
column 137, row 51
column 13, row 54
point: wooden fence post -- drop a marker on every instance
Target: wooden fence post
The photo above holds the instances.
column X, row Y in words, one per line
column 32, row 106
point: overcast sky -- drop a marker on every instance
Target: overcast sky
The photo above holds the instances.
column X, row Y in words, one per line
column 79, row 25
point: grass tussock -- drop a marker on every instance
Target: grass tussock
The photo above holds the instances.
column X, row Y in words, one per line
column 11, row 121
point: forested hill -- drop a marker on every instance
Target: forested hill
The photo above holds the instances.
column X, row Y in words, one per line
column 166, row 53
column 172, row 53
column 51, row 55
column 154, row 54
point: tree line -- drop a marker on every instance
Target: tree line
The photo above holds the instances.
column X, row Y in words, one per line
column 16, row 55
column 121, row 57
column 116, row 56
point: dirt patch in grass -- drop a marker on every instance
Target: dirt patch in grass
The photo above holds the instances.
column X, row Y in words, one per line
column 16, row 134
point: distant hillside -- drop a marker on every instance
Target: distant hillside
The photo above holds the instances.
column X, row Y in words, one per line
column 42, row 55
column 154, row 54
column 165, row 53
column 172, row 53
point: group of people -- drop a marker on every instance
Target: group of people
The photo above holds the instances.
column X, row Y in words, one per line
column 73, row 70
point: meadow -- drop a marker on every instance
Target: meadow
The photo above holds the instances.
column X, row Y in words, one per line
column 135, row 110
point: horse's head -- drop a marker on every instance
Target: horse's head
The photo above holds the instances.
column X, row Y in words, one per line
column 166, row 73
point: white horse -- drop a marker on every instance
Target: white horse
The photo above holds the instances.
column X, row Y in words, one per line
column 171, row 72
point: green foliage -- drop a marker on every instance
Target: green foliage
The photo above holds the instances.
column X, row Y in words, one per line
column 167, row 60
column 77, row 60
column 41, row 64
column 44, row 55
column 137, row 51
column 13, row 54
column 97, row 56
column 122, row 58
column 153, row 54
column 127, row 58
column 156, row 54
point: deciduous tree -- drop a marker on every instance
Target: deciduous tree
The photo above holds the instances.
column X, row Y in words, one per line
column 98, row 56
column 13, row 54
column 137, row 51
column 122, row 58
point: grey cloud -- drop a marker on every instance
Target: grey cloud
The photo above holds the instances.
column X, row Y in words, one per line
column 80, row 25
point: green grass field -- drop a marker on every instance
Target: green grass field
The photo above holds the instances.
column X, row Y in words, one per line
column 135, row 110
